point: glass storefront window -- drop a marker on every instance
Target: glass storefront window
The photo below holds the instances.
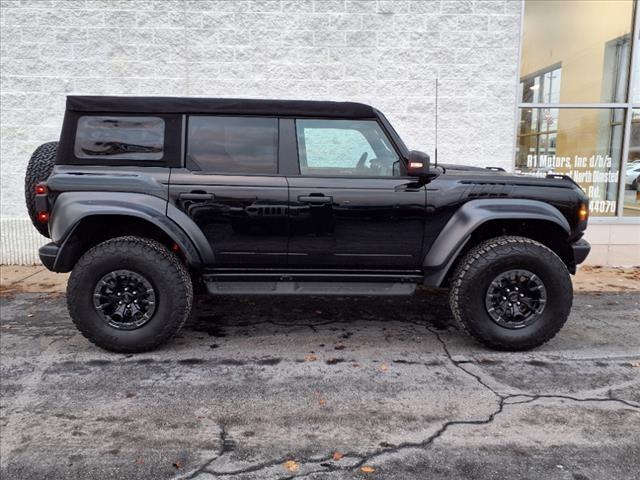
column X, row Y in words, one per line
column 575, row 51
column 584, row 143
column 635, row 95
column 631, row 174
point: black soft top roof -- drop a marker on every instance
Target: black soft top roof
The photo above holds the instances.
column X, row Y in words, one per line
column 231, row 106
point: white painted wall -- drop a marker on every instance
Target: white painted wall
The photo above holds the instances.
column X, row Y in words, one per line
column 386, row 53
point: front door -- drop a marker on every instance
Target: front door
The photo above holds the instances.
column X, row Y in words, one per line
column 230, row 188
column 352, row 206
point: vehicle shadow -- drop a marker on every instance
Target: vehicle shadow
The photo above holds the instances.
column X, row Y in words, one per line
column 212, row 314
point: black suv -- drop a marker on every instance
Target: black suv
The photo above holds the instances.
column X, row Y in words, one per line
column 146, row 198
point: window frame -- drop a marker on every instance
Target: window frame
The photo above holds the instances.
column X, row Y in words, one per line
column 296, row 172
column 171, row 151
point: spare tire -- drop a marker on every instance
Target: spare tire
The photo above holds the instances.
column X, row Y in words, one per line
column 38, row 170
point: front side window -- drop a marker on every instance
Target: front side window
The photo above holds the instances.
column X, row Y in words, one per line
column 232, row 144
column 344, row 148
column 119, row 138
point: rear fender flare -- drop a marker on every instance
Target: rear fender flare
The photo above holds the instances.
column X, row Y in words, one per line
column 72, row 207
column 458, row 230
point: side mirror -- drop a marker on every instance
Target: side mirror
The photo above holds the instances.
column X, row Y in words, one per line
column 418, row 165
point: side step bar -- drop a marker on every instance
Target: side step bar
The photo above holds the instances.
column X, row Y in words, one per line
column 308, row 282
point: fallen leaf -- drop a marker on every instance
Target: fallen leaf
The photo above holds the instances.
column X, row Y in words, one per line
column 322, row 402
column 384, row 367
column 177, row 464
column 139, row 461
column 337, row 456
column 291, row 466
column 340, row 347
column 310, row 358
column 367, row 469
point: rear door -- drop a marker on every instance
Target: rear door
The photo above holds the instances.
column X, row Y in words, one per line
column 231, row 189
column 351, row 204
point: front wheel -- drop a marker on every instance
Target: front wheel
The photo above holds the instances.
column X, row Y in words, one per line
column 511, row 293
column 129, row 294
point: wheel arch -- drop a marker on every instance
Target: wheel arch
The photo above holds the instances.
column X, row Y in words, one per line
column 81, row 221
column 479, row 220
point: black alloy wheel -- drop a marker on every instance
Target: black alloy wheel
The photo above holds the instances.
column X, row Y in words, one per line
column 516, row 298
column 124, row 299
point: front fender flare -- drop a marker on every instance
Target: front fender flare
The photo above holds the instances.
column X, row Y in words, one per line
column 457, row 232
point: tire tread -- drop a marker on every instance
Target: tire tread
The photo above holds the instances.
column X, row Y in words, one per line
column 38, row 170
column 172, row 268
column 480, row 257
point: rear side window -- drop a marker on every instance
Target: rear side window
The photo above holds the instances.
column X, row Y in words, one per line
column 120, row 138
column 232, row 144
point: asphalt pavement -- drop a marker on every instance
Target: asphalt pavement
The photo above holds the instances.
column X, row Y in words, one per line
column 321, row 388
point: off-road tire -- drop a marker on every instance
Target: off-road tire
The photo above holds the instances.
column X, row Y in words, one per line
column 482, row 264
column 38, row 170
column 167, row 274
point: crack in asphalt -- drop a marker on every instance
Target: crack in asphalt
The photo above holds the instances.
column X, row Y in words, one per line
column 327, row 463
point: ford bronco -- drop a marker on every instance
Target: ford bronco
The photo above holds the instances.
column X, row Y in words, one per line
column 147, row 198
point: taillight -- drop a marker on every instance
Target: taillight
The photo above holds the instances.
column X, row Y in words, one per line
column 41, row 189
column 43, row 217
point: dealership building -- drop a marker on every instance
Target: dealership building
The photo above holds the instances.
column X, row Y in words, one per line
column 533, row 86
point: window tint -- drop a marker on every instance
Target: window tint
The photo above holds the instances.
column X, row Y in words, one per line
column 120, row 138
column 344, row 148
column 232, row 144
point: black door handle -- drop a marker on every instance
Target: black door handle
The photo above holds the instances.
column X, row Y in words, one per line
column 196, row 196
column 315, row 199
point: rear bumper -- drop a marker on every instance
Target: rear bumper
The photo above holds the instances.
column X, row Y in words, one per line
column 48, row 254
column 581, row 249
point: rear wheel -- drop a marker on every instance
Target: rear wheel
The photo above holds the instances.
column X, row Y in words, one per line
column 38, row 170
column 511, row 293
column 129, row 294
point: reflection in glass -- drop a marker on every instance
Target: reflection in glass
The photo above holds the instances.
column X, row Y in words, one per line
column 542, row 87
column 232, row 144
column 357, row 148
column 119, row 138
column 582, row 143
column 586, row 43
column 635, row 96
column 632, row 170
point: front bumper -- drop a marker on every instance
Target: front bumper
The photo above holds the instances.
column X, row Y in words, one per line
column 48, row 254
column 581, row 249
